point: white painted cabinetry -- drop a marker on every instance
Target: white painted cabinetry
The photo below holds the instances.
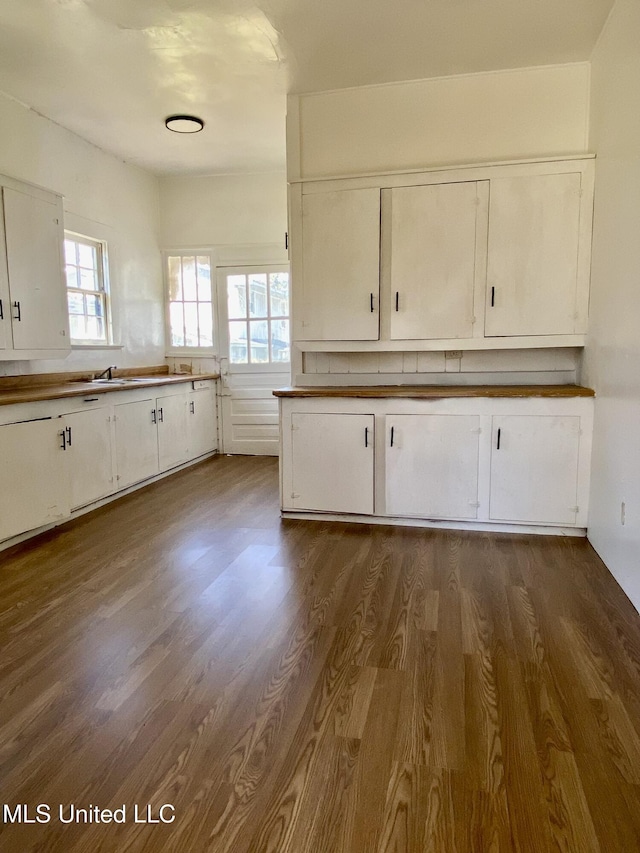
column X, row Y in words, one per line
column 533, row 258
column 331, row 462
column 481, row 257
column 432, row 257
column 33, row 301
column 136, row 441
column 33, row 476
column 482, row 462
column 173, row 436
column 341, row 247
column 432, row 465
column 90, row 461
column 534, row 468
column 201, row 422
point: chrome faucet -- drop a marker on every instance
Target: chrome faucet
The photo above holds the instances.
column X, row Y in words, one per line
column 107, row 371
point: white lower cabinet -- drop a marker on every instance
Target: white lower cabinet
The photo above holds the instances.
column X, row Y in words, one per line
column 173, row 440
column 91, row 475
column 33, row 476
column 201, row 420
column 484, row 462
column 136, row 441
column 534, row 469
column 332, row 463
column 432, row 465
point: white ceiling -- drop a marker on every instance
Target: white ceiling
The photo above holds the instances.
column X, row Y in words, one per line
column 112, row 70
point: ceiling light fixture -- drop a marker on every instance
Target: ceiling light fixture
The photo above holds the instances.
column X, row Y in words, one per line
column 184, row 124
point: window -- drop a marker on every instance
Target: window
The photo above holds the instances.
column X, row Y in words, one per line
column 190, row 301
column 87, row 294
column 258, row 313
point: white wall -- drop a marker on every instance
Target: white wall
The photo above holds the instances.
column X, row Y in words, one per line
column 104, row 198
column 519, row 114
column 223, row 210
column 612, row 357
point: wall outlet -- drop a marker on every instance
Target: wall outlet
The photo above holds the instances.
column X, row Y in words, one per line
column 453, row 353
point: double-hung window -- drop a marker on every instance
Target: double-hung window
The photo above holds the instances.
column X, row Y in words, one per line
column 87, row 291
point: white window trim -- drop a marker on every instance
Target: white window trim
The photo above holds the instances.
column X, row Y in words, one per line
column 103, row 265
column 176, row 352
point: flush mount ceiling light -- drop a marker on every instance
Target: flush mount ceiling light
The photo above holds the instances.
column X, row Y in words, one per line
column 184, row 124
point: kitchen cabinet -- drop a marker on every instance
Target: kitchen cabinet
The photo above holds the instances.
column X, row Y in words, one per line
column 533, row 255
column 90, row 459
column 534, row 468
column 341, row 249
column 201, row 418
column 478, row 257
column 136, row 441
column 173, row 442
column 432, row 465
column 33, row 302
column 33, row 475
column 432, row 247
column 332, row 462
column 511, row 462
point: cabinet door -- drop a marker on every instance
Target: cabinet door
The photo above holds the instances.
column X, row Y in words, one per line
column 332, row 463
column 90, row 458
column 6, row 341
column 340, row 265
column 432, row 465
column 33, row 487
column 202, row 423
column 532, row 265
column 173, row 440
column 34, row 254
column 136, row 442
column 433, row 250
column 534, row 468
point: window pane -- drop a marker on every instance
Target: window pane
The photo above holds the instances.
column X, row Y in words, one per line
column 190, row 291
column 88, row 280
column 87, row 256
column 191, row 324
column 259, row 341
column 95, row 328
column 176, row 320
column 258, row 295
column 76, row 303
column 77, row 327
column 94, row 306
column 206, row 324
column 279, row 288
column 238, row 343
column 204, row 280
column 175, row 279
column 72, row 276
column 236, row 296
column 70, row 252
column 280, row 341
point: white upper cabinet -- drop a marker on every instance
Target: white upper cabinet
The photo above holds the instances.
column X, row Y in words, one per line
column 36, row 292
column 479, row 257
column 341, row 252
column 533, row 255
column 433, row 233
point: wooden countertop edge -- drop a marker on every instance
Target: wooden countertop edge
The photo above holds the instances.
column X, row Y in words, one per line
column 35, row 394
column 438, row 391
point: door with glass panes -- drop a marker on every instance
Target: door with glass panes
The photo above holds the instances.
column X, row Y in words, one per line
column 255, row 355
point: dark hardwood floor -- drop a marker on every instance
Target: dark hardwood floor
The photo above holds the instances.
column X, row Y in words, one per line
column 308, row 687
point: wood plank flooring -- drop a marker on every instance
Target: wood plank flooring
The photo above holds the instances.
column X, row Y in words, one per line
column 311, row 687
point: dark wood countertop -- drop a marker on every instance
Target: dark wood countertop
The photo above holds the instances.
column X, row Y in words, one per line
column 61, row 389
column 422, row 392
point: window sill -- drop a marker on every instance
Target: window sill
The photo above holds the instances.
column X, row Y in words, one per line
column 78, row 346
